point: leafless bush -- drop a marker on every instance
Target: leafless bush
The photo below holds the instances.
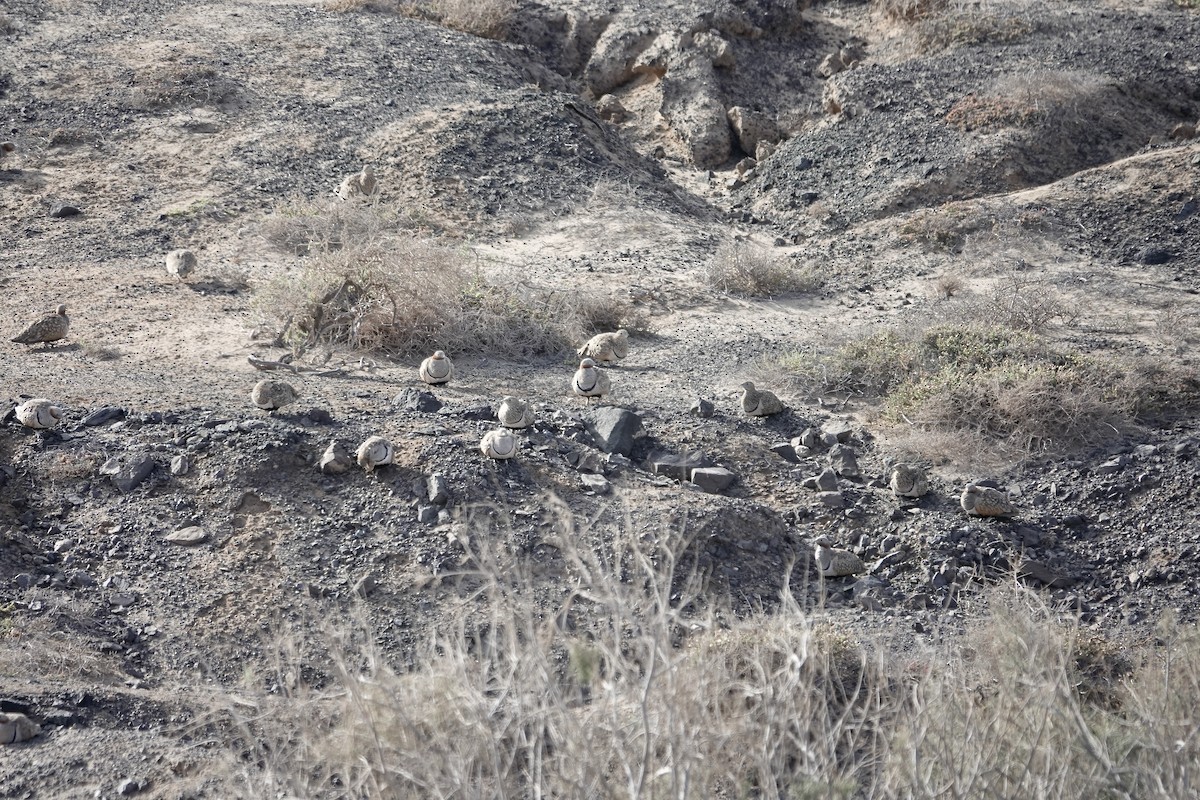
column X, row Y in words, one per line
column 909, row 10
column 487, row 18
column 1014, row 302
column 947, row 285
column 190, row 81
column 306, row 227
column 748, row 270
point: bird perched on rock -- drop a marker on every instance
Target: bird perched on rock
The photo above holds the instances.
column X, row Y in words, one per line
column 759, row 402
column 181, row 263
column 590, row 381
column 374, row 452
column 50, row 328
column 273, row 394
column 834, row 562
column 38, row 413
column 984, row 501
column 359, row 185
column 17, row 728
column 437, row 368
column 606, row 348
column 908, row 480
column 498, row 444
column 335, row 460
column 514, row 413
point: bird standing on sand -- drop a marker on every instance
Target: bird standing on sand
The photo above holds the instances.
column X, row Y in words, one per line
column 374, row 452
column 50, row 328
column 38, row 413
column 361, row 184
column 908, row 480
column 606, row 348
column 181, row 263
column 984, row 501
column 514, row 413
column 437, row 368
column 272, row 395
column 759, row 402
column 499, row 444
column 590, row 381
column 834, row 562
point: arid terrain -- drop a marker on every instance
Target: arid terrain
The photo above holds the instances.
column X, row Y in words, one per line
column 962, row 235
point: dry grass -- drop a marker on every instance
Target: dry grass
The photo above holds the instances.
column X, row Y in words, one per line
column 1007, row 388
column 627, row 687
column 959, row 28
column 366, row 286
column 191, row 81
column 7, row 25
column 749, row 270
column 489, row 19
column 907, row 11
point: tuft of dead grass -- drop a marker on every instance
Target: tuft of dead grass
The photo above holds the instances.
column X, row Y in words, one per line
column 635, row 685
column 746, row 269
column 908, row 11
column 189, row 81
column 367, row 286
column 489, row 19
column 1008, row 388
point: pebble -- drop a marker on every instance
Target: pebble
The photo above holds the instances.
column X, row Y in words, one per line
column 122, row 599
column 596, row 483
column 189, row 536
column 180, row 466
column 64, row 210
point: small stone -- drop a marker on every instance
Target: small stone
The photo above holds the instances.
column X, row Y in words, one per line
column 131, row 474
column 128, row 787
column 63, row 545
column 713, row 480
column 839, row 429
column 64, row 210
column 1037, row 571
column 188, row 537
column 1111, row 466
column 427, row 513
column 180, row 466
column 832, row 499
column 826, row 481
column 365, row 585
column 81, row 580
column 843, row 461
column 23, row 580
column 702, row 408
column 785, row 451
column 122, row 599
column 1154, row 255
column 808, row 439
column 335, row 460
column 613, row 429
column 102, row 416
column 418, row 400
column 596, row 483
column 438, row 489
column 677, row 466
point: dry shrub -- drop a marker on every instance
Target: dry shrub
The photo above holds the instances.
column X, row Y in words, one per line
column 909, row 10
column 945, row 229
column 306, row 227
column 191, row 81
column 613, row 691
column 965, row 28
column 598, row 312
column 487, row 18
column 1015, row 302
column 1008, row 388
column 749, row 270
column 947, row 285
column 409, row 296
column 7, row 25
column 1053, row 100
column 988, row 113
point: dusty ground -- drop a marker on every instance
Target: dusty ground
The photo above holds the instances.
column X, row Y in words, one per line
column 1011, row 144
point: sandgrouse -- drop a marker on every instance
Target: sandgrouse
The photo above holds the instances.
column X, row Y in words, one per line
column 437, row 368
column 606, row 348
column 590, row 381
column 50, row 328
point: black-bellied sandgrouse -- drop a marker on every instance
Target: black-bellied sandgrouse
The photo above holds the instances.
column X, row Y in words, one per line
column 984, row 501
column 759, row 402
column 498, row 444
column 514, row 413
column 908, row 480
column 606, row 348
column 834, row 562
column 272, row 394
column 437, row 368
column 16, row 728
column 38, row 413
column 181, row 263
column 590, row 381
column 49, row 328
column 360, row 185
column 376, row 451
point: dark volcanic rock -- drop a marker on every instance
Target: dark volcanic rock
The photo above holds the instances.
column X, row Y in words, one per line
column 613, row 429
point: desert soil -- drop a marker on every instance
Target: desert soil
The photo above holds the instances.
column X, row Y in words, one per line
column 1009, row 145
